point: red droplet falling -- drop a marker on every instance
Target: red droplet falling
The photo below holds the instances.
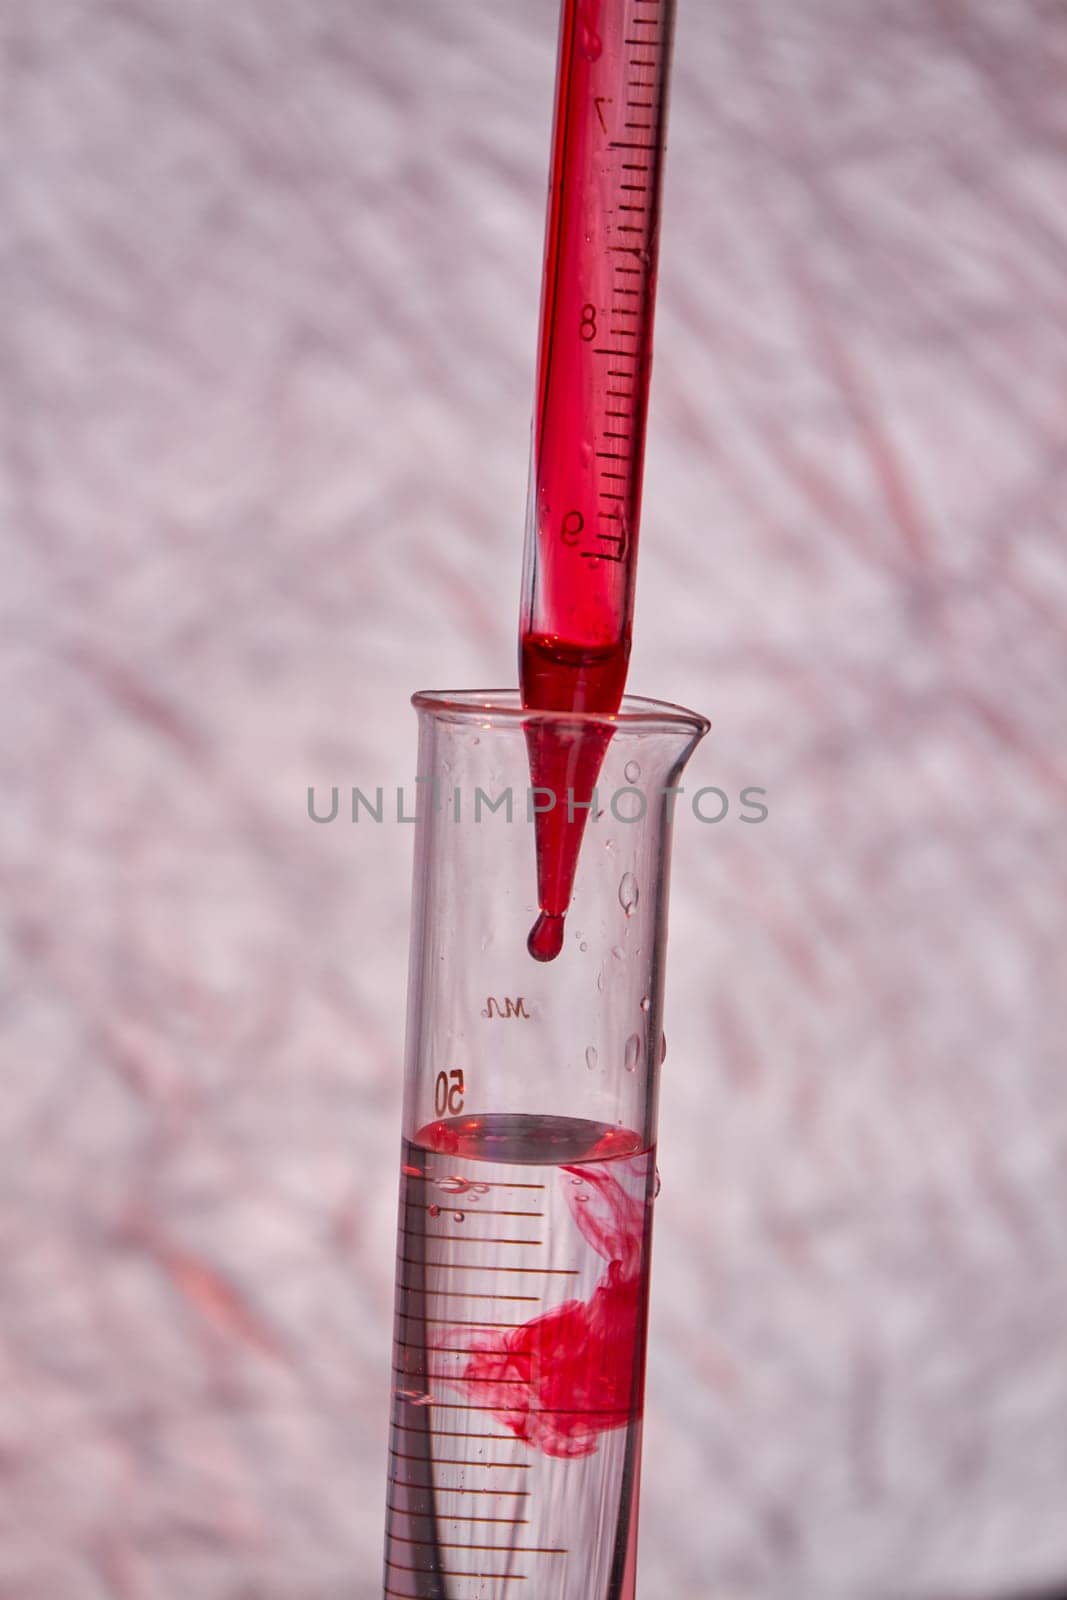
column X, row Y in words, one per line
column 546, row 937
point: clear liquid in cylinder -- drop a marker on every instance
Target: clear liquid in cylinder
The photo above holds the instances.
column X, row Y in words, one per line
column 521, row 1311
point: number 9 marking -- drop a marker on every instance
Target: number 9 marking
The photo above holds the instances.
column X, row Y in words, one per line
column 573, row 523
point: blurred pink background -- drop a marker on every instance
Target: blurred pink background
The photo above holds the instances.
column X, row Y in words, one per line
column 270, row 282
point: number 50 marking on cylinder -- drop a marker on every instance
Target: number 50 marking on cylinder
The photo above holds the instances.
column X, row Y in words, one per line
column 448, row 1092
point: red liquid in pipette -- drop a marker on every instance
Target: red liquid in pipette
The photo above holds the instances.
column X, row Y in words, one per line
column 589, row 423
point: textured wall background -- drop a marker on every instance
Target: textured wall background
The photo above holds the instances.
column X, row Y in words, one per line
column 269, row 282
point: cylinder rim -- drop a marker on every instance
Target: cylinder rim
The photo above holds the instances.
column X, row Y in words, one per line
column 504, row 707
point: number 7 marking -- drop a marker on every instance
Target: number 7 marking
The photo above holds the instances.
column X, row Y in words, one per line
column 602, row 100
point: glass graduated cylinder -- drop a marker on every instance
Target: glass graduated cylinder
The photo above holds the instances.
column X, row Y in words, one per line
column 527, row 1176
column 522, row 1293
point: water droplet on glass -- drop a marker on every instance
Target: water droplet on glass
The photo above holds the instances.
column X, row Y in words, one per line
column 583, row 947
column 662, row 1048
column 581, row 1197
column 590, row 1057
column 631, row 772
column 659, row 1184
column 616, row 951
column 632, row 1053
column 478, row 1189
column 592, row 44
column 460, row 1216
column 600, row 981
column 577, row 1182
column 434, row 1211
column 645, row 1003
column 422, row 1399
column 628, row 893
column 453, row 1185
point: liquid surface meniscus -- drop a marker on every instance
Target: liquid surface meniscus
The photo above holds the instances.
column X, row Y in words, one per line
column 522, row 1294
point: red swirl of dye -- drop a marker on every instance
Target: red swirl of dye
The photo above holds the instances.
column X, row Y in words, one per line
column 563, row 1378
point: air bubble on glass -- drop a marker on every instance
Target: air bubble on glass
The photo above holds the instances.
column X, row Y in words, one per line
column 591, row 1057
column 628, row 893
column 632, row 1052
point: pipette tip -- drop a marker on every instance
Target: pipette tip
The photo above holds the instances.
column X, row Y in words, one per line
column 546, row 937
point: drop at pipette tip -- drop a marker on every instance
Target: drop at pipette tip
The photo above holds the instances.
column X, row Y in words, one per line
column 546, row 937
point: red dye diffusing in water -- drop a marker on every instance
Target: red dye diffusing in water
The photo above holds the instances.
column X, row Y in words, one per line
column 561, row 1379
column 522, row 1293
column 589, row 422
